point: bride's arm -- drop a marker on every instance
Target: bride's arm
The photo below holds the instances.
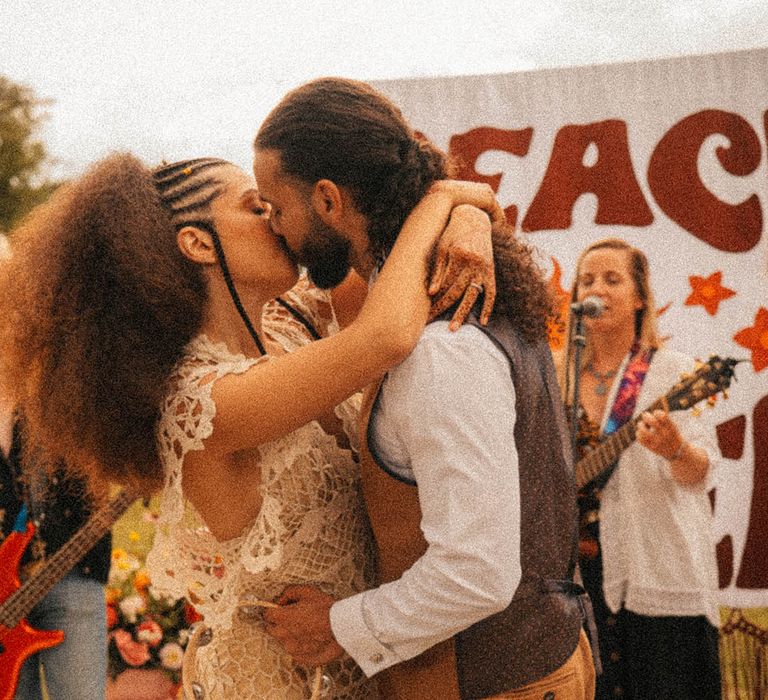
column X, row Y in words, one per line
column 276, row 397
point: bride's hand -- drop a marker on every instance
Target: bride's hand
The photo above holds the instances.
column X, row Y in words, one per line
column 464, row 266
column 477, row 194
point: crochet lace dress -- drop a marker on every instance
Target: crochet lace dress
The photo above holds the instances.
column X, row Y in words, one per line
column 311, row 527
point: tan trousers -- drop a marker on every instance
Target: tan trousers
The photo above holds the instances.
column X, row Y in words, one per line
column 574, row 680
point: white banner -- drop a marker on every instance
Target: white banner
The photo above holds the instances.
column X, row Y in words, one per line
column 671, row 156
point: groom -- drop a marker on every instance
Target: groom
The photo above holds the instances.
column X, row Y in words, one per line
column 465, row 463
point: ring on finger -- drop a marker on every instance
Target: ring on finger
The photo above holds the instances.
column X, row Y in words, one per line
column 477, row 286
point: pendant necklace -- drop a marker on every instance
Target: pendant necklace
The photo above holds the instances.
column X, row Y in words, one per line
column 604, row 379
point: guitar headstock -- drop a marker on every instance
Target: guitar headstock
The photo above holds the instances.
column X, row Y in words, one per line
column 708, row 379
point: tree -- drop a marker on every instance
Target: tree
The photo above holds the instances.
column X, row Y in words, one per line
column 22, row 156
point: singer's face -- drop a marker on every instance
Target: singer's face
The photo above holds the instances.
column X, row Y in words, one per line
column 606, row 273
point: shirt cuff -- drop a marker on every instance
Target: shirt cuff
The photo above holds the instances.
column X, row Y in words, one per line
column 353, row 634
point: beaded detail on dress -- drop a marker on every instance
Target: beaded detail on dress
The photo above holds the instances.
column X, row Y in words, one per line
column 311, row 527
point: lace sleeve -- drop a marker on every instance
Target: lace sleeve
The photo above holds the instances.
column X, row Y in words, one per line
column 348, row 412
column 315, row 304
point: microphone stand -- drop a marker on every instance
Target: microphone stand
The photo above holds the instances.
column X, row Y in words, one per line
column 579, row 341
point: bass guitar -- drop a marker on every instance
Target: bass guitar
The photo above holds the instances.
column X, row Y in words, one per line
column 18, row 639
column 705, row 382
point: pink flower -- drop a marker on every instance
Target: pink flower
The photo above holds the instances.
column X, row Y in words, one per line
column 133, row 653
column 150, row 632
column 112, row 618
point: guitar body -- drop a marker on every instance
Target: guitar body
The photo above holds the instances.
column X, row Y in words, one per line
column 21, row 641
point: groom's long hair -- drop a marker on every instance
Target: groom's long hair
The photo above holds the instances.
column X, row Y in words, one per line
column 347, row 132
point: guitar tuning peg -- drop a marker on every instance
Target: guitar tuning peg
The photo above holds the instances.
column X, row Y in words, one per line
column 712, row 400
column 696, row 411
column 725, row 394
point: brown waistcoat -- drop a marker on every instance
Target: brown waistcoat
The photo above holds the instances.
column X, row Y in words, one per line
column 539, row 630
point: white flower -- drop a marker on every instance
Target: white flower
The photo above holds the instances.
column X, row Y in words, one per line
column 171, row 656
column 183, row 637
column 162, row 597
column 132, row 607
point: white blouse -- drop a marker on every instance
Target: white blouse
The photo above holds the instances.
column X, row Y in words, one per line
column 656, row 534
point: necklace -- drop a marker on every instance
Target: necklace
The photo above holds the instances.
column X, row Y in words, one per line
column 603, row 379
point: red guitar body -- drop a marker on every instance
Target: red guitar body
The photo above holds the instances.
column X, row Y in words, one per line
column 18, row 643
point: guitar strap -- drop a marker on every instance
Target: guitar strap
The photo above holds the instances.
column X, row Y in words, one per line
column 629, row 389
column 621, row 412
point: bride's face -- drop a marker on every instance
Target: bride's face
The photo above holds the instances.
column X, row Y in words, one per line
column 255, row 255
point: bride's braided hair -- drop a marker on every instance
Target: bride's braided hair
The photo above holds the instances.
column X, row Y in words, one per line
column 96, row 306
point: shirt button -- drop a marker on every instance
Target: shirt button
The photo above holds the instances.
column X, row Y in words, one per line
column 377, row 658
column 615, row 656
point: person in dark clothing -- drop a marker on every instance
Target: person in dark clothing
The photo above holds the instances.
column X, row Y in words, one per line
column 75, row 669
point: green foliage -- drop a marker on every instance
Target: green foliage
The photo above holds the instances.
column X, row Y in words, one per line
column 22, row 156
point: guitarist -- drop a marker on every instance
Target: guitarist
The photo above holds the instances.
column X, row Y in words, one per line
column 646, row 553
column 76, row 669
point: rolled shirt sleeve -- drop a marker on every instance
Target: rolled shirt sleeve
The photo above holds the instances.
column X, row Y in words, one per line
column 445, row 420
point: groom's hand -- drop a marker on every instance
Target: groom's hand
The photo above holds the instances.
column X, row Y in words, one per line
column 302, row 624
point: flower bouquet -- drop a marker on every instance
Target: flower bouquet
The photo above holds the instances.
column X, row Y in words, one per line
column 146, row 631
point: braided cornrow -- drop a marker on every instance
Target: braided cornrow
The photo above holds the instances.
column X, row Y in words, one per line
column 186, row 190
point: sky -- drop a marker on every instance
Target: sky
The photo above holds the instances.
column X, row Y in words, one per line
column 173, row 79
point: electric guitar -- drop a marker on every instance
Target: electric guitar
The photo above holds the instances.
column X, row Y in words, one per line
column 18, row 639
column 707, row 380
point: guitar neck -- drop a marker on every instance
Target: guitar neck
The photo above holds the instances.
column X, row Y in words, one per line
column 608, row 451
column 19, row 604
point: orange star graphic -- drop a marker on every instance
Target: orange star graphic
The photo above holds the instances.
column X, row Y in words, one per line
column 755, row 339
column 708, row 292
column 556, row 326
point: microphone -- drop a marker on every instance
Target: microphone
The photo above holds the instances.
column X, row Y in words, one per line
column 591, row 306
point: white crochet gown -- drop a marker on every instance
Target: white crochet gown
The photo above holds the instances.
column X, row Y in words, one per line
column 311, row 527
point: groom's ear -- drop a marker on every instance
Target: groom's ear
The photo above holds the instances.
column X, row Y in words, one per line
column 327, row 201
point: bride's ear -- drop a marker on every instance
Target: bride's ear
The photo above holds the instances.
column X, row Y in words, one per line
column 196, row 245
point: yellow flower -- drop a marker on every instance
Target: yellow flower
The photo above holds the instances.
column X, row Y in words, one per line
column 134, row 536
column 112, row 595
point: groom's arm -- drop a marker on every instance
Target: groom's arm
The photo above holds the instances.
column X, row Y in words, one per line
column 450, row 407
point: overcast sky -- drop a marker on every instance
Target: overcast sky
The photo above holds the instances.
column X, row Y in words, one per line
column 169, row 79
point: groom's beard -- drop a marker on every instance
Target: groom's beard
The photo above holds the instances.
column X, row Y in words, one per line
column 325, row 254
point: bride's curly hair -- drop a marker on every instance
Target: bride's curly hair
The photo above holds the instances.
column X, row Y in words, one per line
column 96, row 306
column 347, row 132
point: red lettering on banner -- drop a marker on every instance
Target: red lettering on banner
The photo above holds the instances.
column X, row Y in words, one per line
column 730, row 437
column 612, row 179
column 753, row 573
column 466, row 149
column 673, row 177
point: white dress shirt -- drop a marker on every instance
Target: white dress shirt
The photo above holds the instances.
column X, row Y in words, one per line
column 445, row 419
